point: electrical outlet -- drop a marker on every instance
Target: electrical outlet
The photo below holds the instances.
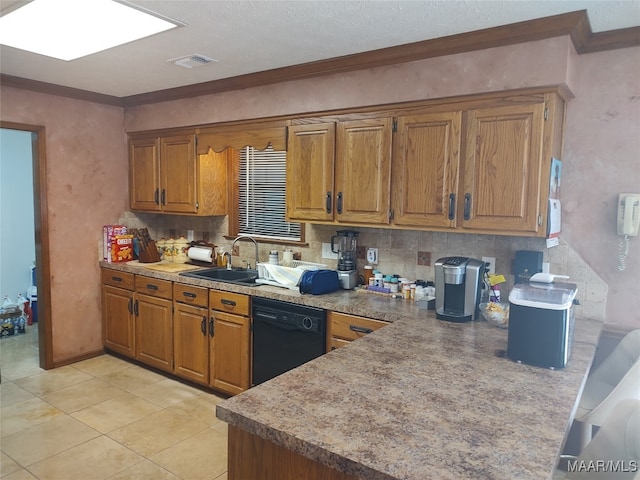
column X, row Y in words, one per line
column 372, row 256
column 190, row 235
column 491, row 268
column 545, row 267
column 327, row 253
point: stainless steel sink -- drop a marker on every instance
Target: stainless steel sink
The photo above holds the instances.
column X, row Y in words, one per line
column 238, row 276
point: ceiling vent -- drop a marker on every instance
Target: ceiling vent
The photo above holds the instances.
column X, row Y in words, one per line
column 192, row 61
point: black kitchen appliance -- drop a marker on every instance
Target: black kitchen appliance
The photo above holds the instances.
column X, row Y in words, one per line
column 458, row 285
column 541, row 320
column 285, row 335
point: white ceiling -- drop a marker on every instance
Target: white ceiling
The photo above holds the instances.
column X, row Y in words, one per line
column 252, row 36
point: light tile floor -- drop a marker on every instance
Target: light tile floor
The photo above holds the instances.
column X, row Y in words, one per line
column 103, row 418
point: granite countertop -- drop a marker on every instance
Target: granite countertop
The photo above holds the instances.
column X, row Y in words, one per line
column 418, row 399
column 344, row 301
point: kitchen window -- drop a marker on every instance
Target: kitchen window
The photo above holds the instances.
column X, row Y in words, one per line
column 261, row 199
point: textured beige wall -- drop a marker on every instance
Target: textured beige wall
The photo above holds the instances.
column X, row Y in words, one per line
column 87, row 188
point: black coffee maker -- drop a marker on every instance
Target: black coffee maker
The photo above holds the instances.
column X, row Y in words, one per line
column 458, row 287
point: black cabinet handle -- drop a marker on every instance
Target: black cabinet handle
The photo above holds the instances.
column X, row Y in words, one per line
column 151, row 286
column 164, row 197
column 189, row 295
column 136, row 309
column 130, row 306
column 356, row 328
column 339, row 203
column 211, row 327
column 467, row 206
column 452, row 206
column 156, row 197
column 230, row 303
column 116, row 279
column 328, row 202
column 203, row 325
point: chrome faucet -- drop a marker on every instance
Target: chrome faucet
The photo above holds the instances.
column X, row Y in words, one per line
column 245, row 237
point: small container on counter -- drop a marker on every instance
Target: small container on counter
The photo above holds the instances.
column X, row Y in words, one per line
column 406, row 291
column 169, row 249
column 181, row 246
column 368, row 274
column 161, row 245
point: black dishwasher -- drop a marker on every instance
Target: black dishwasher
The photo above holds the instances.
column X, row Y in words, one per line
column 285, row 335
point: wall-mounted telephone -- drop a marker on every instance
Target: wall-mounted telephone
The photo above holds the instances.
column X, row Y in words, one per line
column 628, row 214
column 628, row 223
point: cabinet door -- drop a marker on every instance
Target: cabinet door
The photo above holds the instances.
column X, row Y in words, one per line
column 425, row 169
column 178, row 174
column 117, row 320
column 310, row 156
column 229, row 355
column 362, row 171
column 191, row 342
column 502, row 168
column 144, row 174
column 154, row 331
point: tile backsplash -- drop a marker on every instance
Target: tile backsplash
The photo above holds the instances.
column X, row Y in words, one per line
column 409, row 253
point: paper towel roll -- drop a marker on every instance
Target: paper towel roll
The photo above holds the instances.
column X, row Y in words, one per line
column 201, row 254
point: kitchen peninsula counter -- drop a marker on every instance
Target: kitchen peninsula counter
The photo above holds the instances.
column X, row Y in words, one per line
column 418, row 399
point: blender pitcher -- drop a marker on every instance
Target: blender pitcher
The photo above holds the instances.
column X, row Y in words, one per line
column 346, row 249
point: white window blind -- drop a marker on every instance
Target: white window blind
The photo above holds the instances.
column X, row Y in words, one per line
column 262, row 198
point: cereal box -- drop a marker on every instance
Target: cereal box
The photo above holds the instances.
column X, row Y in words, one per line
column 109, row 233
column 122, row 248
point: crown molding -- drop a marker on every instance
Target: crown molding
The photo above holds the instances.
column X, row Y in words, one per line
column 575, row 24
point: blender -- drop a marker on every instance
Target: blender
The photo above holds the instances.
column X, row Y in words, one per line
column 344, row 244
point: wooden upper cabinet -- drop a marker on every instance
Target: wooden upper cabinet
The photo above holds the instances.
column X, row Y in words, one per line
column 503, row 165
column 339, row 171
column 178, row 174
column 363, row 171
column 425, row 169
column 166, row 175
column 144, row 174
column 310, row 158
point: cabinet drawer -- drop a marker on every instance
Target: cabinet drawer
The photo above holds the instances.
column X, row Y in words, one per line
column 191, row 295
column 117, row 279
column 229, row 302
column 351, row 327
column 153, row 287
column 337, row 343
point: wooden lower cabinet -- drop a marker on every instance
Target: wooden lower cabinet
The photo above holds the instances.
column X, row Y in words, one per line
column 117, row 312
column 191, row 332
column 229, row 353
column 212, row 347
column 195, row 333
column 191, row 343
column 251, row 456
column 154, row 332
column 343, row 328
column 153, row 308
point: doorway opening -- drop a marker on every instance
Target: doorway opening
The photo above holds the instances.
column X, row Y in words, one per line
column 41, row 232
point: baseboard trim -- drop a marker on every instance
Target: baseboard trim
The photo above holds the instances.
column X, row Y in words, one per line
column 79, row 358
